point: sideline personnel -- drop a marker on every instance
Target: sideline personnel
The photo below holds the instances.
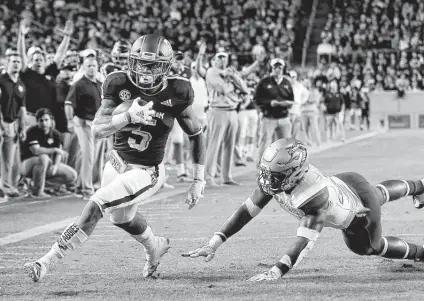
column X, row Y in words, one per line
column 274, row 97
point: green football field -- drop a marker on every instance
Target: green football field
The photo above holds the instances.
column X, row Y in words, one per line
column 109, row 265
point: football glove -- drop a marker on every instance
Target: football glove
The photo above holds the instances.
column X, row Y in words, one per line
column 267, row 276
column 205, row 251
column 141, row 114
column 195, row 192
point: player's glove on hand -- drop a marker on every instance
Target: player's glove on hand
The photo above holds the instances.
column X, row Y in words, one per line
column 271, row 275
column 205, row 251
column 195, row 192
column 141, row 114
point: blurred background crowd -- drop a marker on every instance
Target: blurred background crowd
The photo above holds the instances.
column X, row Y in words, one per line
column 333, row 53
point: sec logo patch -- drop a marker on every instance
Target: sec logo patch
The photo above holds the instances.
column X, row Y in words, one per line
column 124, row 95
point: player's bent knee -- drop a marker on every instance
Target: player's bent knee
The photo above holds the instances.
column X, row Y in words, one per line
column 123, row 215
column 92, row 213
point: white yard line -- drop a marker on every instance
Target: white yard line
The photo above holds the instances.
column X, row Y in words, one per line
column 26, row 234
column 12, row 238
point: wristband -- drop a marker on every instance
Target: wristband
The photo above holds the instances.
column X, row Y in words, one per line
column 199, row 172
column 215, row 242
column 284, row 265
column 222, row 235
column 121, row 120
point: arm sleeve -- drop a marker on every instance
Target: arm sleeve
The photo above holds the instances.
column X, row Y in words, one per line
column 110, row 87
column 31, row 138
column 185, row 93
column 57, row 139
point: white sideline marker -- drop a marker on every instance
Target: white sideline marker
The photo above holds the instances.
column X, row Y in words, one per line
column 12, row 238
column 26, row 234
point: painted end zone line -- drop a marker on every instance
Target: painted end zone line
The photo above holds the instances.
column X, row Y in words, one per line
column 12, row 238
column 16, row 237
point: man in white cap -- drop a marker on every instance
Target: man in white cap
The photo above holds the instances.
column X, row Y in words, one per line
column 222, row 117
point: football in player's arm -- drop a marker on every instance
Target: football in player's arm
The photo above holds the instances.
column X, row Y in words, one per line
column 307, row 233
column 106, row 123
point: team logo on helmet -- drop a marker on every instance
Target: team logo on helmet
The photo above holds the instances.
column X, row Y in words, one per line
column 297, row 151
column 124, row 95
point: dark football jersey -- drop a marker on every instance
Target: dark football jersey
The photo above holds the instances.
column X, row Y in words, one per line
column 146, row 145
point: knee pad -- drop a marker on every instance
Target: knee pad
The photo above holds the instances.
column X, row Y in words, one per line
column 123, row 215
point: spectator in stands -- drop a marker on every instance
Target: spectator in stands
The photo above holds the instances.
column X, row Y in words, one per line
column 42, row 155
column 402, row 84
column 274, row 97
column 82, row 103
column 38, row 78
column 13, row 113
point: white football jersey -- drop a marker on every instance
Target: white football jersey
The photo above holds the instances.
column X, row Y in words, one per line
column 343, row 203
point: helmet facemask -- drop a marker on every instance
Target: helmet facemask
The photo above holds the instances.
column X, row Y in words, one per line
column 275, row 182
column 148, row 74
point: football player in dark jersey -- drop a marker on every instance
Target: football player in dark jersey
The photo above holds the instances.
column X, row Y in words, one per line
column 139, row 107
column 119, row 56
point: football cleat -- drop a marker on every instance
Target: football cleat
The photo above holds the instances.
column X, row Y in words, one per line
column 160, row 247
column 418, row 201
column 35, row 270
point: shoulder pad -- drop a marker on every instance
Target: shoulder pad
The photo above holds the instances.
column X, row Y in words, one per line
column 112, row 84
column 316, row 201
column 306, row 190
column 182, row 90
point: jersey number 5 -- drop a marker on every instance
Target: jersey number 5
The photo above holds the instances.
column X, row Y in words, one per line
column 139, row 140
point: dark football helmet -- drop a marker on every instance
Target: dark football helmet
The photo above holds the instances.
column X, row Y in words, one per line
column 283, row 165
column 149, row 62
column 120, row 52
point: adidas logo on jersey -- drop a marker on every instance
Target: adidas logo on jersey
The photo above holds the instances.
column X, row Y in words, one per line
column 167, row 103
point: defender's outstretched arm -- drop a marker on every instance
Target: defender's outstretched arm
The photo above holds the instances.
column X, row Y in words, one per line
column 245, row 213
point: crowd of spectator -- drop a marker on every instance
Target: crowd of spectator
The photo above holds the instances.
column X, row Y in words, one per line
column 48, row 41
column 378, row 42
column 214, row 35
column 239, row 25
